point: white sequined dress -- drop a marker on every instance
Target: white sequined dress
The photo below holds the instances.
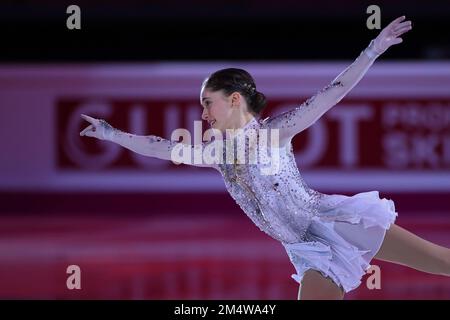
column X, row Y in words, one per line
column 336, row 235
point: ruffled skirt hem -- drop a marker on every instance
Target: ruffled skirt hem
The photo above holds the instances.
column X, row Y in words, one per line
column 343, row 238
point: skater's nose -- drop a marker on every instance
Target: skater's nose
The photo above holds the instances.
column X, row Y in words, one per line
column 205, row 114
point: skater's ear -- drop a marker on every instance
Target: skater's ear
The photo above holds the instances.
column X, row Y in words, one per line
column 236, row 99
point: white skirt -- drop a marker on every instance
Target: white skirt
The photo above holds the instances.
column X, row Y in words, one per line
column 343, row 238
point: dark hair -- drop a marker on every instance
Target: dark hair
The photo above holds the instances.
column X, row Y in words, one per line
column 237, row 80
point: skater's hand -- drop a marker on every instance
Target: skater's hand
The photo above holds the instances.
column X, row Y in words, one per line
column 390, row 35
column 99, row 128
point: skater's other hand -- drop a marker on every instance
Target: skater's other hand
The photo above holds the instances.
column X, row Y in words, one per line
column 98, row 128
column 390, row 35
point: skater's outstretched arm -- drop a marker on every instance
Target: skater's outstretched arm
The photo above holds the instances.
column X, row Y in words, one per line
column 294, row 121
column 150, row 145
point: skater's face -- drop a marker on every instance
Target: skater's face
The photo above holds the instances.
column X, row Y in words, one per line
column 220, row 110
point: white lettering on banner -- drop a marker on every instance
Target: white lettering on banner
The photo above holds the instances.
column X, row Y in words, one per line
column 316, row 146
column 403, row 150
column 348, row 118
column 432, row 116
column 417, row 135
column 395, row 153
column 424, row 150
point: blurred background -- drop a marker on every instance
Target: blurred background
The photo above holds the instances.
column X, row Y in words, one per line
column 142, row 228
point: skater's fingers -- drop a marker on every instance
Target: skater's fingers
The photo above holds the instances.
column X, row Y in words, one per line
column 90, row 133
column 396, row 21
column 89, row 119
column 82, row 133
column 404, row 24
column 397, row 41
column 402, row 30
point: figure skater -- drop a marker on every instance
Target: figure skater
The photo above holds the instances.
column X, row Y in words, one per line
column 329, row 238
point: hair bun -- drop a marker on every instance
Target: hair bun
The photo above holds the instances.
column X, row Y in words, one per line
column 232, row 79
column 259, row 101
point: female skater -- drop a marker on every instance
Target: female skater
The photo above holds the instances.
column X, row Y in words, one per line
column 330, row 239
